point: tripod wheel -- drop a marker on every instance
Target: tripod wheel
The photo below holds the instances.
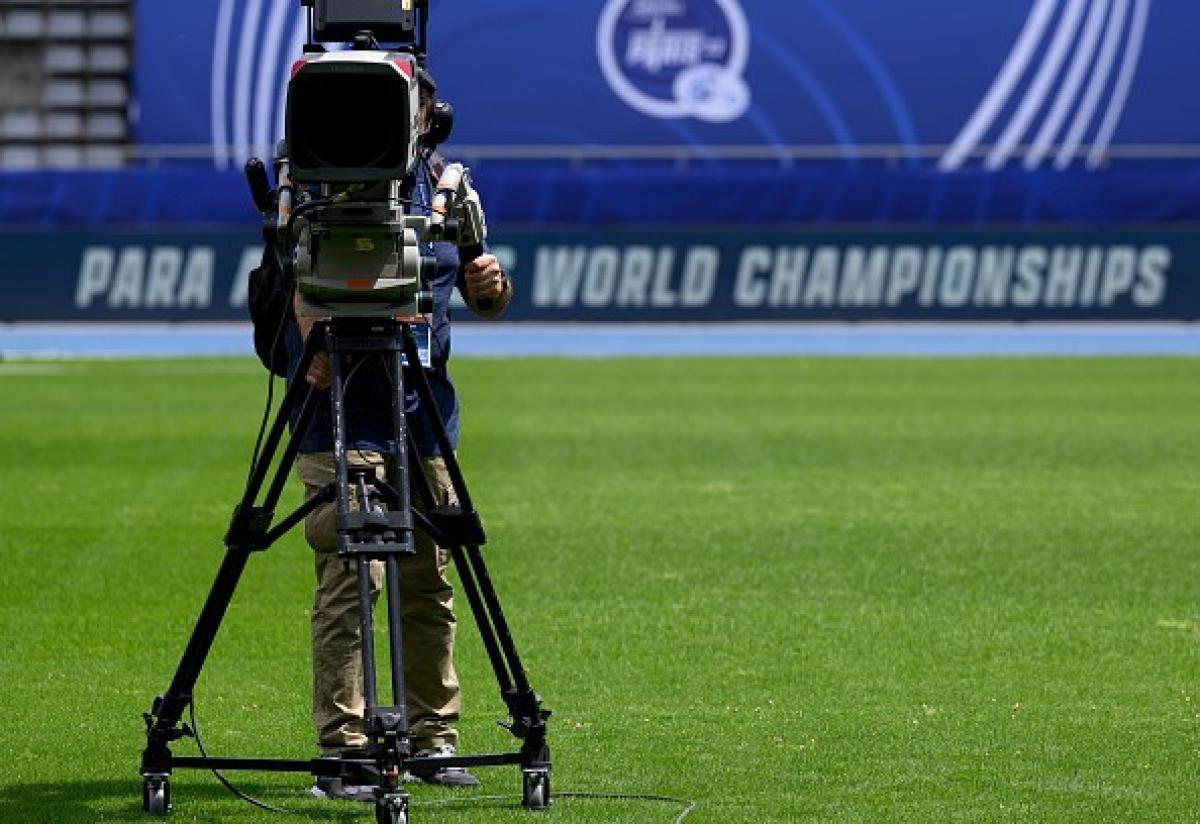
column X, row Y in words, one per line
column 535, row 789
column 156, row 795
column 391, row 813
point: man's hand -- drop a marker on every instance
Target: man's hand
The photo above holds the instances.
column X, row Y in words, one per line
column 484, row 279
column 319, row 375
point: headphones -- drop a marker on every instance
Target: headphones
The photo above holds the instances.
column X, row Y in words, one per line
column 441, row 115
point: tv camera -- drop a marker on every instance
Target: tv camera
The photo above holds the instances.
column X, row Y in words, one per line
column 359, row 123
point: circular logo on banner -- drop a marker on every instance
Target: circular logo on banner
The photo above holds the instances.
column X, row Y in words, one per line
column 677, row 58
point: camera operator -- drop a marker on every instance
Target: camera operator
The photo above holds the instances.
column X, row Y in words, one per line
column 432, row 688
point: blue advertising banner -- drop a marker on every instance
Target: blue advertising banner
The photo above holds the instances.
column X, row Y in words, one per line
column 683, row 275
column 700, row 112
column 1032, row 82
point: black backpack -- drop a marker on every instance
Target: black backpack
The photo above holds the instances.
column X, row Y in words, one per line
column 270, row 303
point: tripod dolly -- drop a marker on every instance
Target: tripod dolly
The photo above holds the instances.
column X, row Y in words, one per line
column 380, row 528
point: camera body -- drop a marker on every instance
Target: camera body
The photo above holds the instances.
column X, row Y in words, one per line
column 364, row 261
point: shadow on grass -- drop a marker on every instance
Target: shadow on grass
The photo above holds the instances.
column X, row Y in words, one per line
column 89, row 801
column 121, row 800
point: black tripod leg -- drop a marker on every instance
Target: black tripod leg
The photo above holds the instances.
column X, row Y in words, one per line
column 428, row 499
column 283, row 470
column 479, row 609
column 337, row 400
column 402, row 462
column 386, row 727
column 362, row 563
column 367, row 632
column 523, row 703
column 474, row 559
column 168, row 709
column 496, row 613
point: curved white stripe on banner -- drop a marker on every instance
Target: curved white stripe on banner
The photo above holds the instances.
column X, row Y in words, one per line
column 247, row 51
column 1100, row 74
column 1068, row 95
column 267, row 86
column 1002, row 88
column 220, row 77
column 1039, row 88
column 295, row 47
column 1116, row 107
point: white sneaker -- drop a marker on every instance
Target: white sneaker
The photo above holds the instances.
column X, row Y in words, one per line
column 331, row 787
column 442, row 776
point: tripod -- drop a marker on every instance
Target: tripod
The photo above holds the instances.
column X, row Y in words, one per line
column 381, row 528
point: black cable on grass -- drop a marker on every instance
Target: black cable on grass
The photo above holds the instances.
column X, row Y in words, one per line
column 249, row 799
column 688, row 804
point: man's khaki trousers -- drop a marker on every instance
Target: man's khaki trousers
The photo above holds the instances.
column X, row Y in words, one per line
column 428, row 625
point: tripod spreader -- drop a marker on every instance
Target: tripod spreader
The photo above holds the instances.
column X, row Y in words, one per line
column 251, row 528
column 448, row 525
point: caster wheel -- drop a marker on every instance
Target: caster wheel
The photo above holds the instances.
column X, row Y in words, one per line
column 156, row 795
column 535, row 789
column 392, row 811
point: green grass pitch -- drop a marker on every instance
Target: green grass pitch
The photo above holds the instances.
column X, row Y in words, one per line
column 790, row 590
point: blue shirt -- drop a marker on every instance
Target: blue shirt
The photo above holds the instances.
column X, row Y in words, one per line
column 368, row 393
